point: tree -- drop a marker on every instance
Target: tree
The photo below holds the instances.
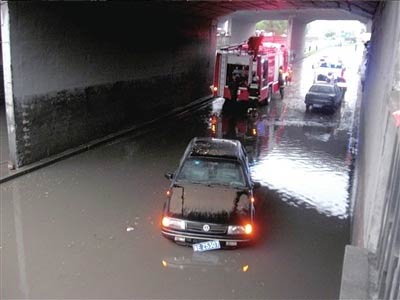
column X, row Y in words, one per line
column 330, row 34
column 276, row 26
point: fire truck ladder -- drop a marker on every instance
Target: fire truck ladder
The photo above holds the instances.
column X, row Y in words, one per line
column 222, row 75
column 233, row 47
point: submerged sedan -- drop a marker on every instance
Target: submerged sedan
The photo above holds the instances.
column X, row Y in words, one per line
column 323, row 95
column 210, row 198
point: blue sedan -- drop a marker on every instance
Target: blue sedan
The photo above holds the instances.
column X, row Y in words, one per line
column 324, row 95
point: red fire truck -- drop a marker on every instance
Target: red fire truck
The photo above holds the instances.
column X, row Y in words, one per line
column 249, row 72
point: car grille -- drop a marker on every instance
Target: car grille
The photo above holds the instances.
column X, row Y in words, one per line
column 214, row 228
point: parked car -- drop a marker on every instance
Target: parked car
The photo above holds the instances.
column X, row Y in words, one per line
column 335, row 66
column 332, row 78
column 210, row 197
column 323, row 95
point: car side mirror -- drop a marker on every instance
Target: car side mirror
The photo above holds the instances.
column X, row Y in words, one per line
column 256, row 184
column 169, row 176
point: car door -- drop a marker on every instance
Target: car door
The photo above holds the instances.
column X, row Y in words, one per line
column 246, row 163
column 338, row 94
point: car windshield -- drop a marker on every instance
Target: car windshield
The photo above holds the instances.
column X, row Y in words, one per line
column 326, row 89
column 207, row 171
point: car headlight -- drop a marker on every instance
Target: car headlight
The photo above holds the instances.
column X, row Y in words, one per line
column 239, row 229
column 173, row 223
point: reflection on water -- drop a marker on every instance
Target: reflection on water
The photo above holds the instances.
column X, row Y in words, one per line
column 306, row 165
column 205, row 262
column 305, row 178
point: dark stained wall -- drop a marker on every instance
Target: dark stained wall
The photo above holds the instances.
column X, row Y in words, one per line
column 82, row 70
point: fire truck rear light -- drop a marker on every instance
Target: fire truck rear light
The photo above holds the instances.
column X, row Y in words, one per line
column 213, row 128
column 248, row 229
column 215, row 89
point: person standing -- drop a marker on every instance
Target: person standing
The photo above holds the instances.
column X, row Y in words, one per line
column 234, row 87
column 281, row 82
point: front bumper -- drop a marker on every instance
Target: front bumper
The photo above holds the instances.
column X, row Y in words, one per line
column 192, row 238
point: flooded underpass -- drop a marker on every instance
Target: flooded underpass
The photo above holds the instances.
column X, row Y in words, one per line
column 89, row 226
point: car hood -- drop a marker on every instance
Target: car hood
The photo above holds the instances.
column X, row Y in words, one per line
column 204, row 203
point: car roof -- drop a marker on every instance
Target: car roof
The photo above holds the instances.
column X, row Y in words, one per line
column 214, row 147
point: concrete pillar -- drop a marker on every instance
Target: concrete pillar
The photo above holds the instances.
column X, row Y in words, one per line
column 225, row 24
column 224, row 30
column 242, row 30
column 368, row 26
column 8, row 85
column 296, row 35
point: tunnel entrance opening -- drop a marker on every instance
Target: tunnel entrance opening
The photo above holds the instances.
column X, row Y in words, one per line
column 272, row 27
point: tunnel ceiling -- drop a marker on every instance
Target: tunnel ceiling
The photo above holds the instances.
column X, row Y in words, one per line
column 216, row 9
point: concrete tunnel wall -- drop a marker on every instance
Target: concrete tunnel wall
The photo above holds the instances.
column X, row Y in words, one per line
column 376, row 204
column 377, row 137
column 81, row 70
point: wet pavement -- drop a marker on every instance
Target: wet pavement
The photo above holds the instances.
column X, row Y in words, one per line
column 89, row 226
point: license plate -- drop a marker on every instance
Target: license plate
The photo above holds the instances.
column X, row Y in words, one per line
column 317, row 105
column 205, row 246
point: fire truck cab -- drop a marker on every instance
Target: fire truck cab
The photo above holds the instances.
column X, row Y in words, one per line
column 249, row 72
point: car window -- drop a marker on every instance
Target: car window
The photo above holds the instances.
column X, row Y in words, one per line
column 246, row 159
column 322, row 77
column 322, row 89
column 208, row 171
